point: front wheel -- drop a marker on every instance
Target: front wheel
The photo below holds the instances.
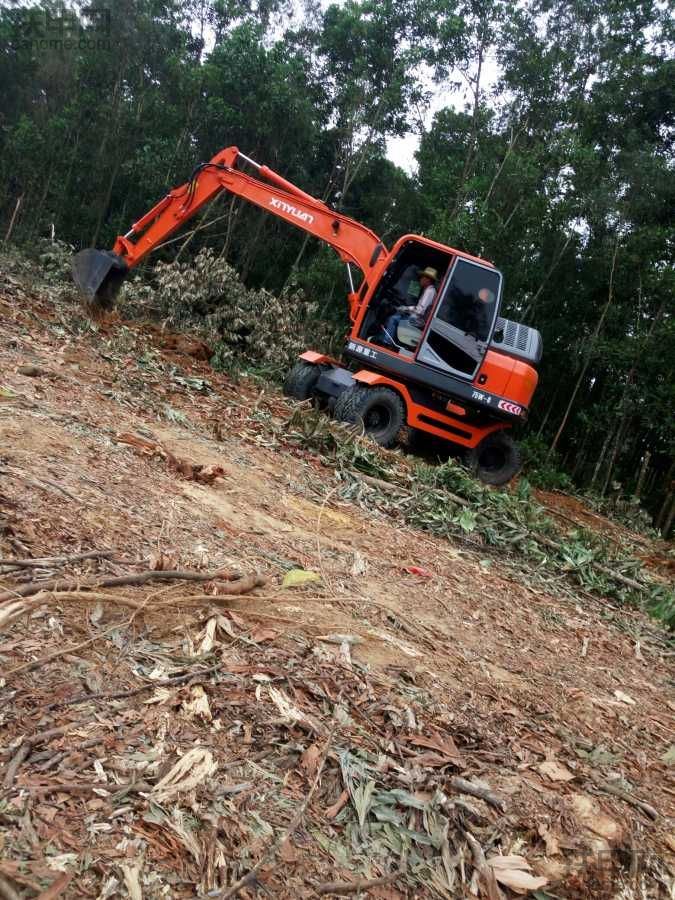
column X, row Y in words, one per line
column 496, row 459
column 301, row 380
column 379, row 410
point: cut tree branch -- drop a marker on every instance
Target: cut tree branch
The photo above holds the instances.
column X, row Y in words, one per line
column 83, row 584
column 45, row 562
column 119, row 695
column 355, row 887
column 475, row 790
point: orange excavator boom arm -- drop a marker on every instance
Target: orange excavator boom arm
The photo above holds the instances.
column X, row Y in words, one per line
column 353, row 242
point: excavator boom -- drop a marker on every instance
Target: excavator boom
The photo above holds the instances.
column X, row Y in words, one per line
column 99, row 274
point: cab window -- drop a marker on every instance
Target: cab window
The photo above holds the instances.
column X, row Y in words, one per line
column 470, row 300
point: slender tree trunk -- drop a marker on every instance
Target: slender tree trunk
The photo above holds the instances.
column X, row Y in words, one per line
column 664, row 508
column 113, row 126
column 547, row 276
column 35, row 228
column 601, row 457
column 359, row 157
column 580, row 455
column 623, row 408
column 65, row 185
column 615, row 453
column 106, row 202
column 305, row 240
column 551, row 405
column 252, row 244
column 10, row 228
column 515, row 209
column 643, row 474
column 181, row 138
column 231, row 215
column 509, row 150
column 475, row 88
column 670, row 516
column 587, row 360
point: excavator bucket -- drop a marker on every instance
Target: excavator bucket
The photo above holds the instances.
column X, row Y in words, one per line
column 99, row 275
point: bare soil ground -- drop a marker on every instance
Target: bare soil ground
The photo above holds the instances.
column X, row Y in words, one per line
column 162, row 740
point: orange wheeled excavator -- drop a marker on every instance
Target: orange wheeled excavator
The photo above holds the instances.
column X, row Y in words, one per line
column 458, row 371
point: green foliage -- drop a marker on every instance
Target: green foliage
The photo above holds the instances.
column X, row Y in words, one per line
column 246, row 327
column 54, row 259
column 446, row 500
column 543, row 470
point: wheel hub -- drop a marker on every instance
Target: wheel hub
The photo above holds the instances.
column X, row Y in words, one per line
column 492, row 458
column 376, row 419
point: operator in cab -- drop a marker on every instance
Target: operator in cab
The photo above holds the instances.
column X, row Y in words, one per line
column 416, row 315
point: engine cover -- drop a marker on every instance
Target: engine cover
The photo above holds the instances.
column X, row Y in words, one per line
column 517, row 340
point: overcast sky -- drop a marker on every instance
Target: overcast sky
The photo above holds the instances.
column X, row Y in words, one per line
column 401, row 150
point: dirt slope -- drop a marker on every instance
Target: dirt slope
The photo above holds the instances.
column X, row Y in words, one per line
column 364, row 693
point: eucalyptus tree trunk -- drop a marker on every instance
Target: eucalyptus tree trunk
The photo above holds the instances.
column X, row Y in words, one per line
column 621, row 431
column 232, row 213
column 643, row 474
column 10, row 227
column 106, row 201
column 475, row 88
column 551, row 269
column 513, row 140
column 35, row 224
column 601, row 457
column 669, row 515
column 665, row 511
column 580, row 454
column 587, row 360
column 253, row 244
column 550, row 407
column 65, row 186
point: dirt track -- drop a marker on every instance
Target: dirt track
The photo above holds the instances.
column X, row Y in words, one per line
column 547, row 699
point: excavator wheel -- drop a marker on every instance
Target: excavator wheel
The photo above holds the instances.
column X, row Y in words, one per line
column 496, row 459
column 379, row 410
column 301, row 380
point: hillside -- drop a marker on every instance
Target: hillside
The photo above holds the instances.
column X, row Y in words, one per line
column 426, row 714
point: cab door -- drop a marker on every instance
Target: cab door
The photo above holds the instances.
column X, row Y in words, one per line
column 462, row 322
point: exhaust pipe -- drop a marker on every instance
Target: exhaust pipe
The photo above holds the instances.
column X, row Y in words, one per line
column 99, row 275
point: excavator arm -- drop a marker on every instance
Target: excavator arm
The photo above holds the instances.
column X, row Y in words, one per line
column 99, row 274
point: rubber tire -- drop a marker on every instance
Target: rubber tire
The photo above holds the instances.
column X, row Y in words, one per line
column 496, row 459
column 301, row 380
column 354, row 405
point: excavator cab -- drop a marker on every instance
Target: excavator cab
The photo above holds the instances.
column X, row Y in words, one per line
column 460, row 328
column 457, row 329
column 399, row 286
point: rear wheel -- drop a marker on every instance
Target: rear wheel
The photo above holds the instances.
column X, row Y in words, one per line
column 379, row 410
column 301, row 380
column 496, row 459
